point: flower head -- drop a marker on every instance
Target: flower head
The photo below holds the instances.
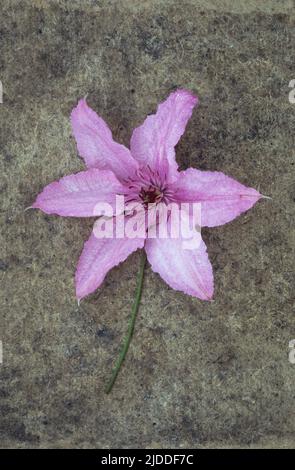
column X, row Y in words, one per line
column 147, row 176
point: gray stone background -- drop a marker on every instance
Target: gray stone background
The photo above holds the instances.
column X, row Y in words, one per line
column 197, row 374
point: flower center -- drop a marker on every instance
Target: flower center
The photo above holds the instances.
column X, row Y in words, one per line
column 150, row 195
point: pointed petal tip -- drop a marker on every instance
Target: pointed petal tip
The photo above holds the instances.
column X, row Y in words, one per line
column 208, row 296
column 78, row 291
column 81, row 102
column 262, row 196
column 202, row 295
column 189, row 94
column 79, row 107
column 30, row 207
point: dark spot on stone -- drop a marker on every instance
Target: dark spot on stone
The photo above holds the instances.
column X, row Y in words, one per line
column 16, row 430
column 252, row 133
column 8, row 157
column 151, row 44
column 3, row 188
column 73, row 352
column 104, row 333
column 3, row 265
column 4, row 394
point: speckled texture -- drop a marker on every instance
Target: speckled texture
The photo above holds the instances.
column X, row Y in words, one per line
column 197, row 374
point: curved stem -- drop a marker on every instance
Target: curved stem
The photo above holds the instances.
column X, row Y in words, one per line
column 130, row 326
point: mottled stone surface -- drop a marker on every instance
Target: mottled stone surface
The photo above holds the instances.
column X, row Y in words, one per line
column 197, row 374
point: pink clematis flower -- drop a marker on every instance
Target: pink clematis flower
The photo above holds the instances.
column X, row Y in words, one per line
column 147, row 173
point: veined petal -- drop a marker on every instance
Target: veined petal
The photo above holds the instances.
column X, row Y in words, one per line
column 83, row 194
column 96, row 145
column 99, row 255
column 152, row 143
column 189, row 271
column 222, row 198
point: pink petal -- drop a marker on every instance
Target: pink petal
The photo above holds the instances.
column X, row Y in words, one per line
column 79, row 195
column 154, row 141
column 99, row 255
column 96, row 145
column 222, row 197
column 189, row 271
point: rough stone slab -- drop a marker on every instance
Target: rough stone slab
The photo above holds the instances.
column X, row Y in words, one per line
column 197, row 374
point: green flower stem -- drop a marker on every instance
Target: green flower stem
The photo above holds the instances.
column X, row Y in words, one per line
column 131, row 324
